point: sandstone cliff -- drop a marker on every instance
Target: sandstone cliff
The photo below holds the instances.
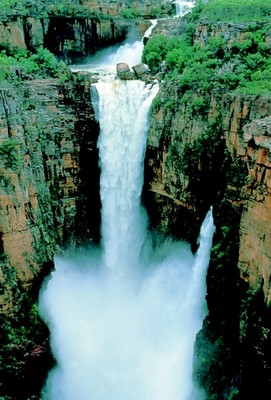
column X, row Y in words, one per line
column 196, row 158
column 68, row 38
column 41, row 150
column 81, row 32
column 49, row 198
column 219, row 155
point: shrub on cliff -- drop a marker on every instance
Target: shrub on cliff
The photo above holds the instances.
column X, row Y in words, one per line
column 9, row 153
column 233, row 10
column 40, row 64
column 216, row 63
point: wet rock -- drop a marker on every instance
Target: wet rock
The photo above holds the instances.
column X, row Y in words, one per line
column 124, row 72
column 141, row 71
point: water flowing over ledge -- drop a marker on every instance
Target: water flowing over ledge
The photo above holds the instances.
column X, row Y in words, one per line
column 123, row 317
column 122, row 109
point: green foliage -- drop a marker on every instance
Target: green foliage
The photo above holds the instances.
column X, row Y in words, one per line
column 43, row 63
column 22, row 372
column 9, row 153
column 44, row 8
column 130, row 13
column 178, row 55
column 234, row 394
column 241, row 67
column 23, row 7
column 155, row 51
column 36, row 65
column 234, row 10
column 198, row 105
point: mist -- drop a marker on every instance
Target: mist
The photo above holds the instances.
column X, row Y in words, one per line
column 123, row 317
column 125, row 338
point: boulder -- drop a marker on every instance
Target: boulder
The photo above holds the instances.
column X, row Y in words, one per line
column 141, row 71
column 124, row 72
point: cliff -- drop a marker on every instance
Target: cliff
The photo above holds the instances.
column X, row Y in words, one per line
column 69, row 38
column 212, row 148
column 245, row 129
column 200, row 154
column 43, row 144
column 73, row 31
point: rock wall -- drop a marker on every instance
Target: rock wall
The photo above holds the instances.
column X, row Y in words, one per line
column 42, row 140
column 68, row 38
column 73, row 37
column 219, row 157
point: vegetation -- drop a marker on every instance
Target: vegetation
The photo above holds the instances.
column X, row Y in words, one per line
column 19, row 63
column 241, row 67
column 24, row 353
column 70, row 8
column 233, row 10
column 9, row 153
column 43, row 8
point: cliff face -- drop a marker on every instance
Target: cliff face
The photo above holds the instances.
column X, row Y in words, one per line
column 219, row 158
column 41, row 139
column 219, row 155
column 73, row 37
column 255, row 244
column 68, row 38
column 245, row 129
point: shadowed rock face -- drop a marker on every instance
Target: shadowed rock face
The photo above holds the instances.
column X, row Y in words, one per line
column 71, row 38
column 49, row 192
column 46, row 136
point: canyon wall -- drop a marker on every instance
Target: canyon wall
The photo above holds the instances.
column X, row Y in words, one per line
column 182, row 183
column 245, row 125
column 219, row 156
column 79, row 34
column 69, row 38
column 45, row 137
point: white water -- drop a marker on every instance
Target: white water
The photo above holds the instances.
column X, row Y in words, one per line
column 122, row 108
column 105, row 60
column 123, row 317
column 183, row 7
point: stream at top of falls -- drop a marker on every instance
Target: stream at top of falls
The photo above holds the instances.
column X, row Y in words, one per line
column 123, row 317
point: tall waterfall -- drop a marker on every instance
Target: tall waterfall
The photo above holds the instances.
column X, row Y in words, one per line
column 123, row 317
column 122, row 109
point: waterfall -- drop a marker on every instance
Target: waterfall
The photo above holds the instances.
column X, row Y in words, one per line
column 183, row 7
column 123, row 317
column 105, row 60
column 122, row 109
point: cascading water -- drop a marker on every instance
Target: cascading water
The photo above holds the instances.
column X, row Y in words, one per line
column 183, row 7
column 123, row 318
column 105, row 60
column 122, row 109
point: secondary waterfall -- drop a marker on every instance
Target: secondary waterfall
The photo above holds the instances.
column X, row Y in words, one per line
column 123, row 317
column 183, row 7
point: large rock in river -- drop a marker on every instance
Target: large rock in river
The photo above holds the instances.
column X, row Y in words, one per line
column 141, row 70
column 124, row 72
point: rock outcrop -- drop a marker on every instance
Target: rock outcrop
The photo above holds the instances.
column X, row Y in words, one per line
column 219, row 156
column 67, row 38
column 49, row 189
column 124, row 72
column 41, row 149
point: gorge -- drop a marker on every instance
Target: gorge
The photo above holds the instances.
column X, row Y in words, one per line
column 207, row 145
column 135, row 308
